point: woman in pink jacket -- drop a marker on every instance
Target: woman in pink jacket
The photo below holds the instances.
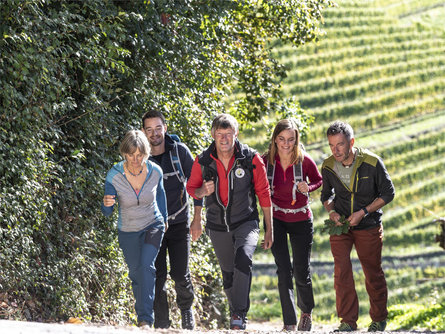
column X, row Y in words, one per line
column 292, row 176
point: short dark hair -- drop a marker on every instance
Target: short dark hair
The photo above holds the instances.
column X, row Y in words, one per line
column 339, row 127
column 153, row 113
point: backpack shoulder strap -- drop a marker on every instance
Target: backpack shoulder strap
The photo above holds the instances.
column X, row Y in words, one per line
column 270, row 169
column 176, row 163
column 298, row 177
column 298, row 172
column 248, row 161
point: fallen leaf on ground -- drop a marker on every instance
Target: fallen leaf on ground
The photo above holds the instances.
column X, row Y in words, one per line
column 73, row 320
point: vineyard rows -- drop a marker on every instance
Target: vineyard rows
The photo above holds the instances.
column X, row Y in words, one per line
column 407, row 36
column 346, row 78
column 363, row 50
column 350, row 66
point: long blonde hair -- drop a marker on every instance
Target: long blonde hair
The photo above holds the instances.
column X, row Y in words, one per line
column 285, row 124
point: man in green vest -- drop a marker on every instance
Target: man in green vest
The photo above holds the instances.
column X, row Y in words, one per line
column 356, row 185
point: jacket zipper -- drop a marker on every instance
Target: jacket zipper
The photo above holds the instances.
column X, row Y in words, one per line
column 224, row 215
column 230, row 174
column 347, row 188
column 229, row 192
column 221, row 205
column 352, row 196
column 140, row 191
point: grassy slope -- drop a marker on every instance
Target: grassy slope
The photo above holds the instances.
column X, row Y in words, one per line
column 380, row 67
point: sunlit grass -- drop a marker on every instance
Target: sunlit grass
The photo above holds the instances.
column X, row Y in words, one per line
column 405, row 285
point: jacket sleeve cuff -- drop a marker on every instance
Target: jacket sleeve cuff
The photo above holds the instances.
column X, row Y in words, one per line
column 197, row 202
column 107, row 210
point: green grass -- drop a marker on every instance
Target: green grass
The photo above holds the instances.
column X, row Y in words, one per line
column 414, row 287
column 417, row 317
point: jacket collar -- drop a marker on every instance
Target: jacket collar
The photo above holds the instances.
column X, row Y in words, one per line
column 169, row 143
column 120, row 166
column 210, row 152
column 359, row 158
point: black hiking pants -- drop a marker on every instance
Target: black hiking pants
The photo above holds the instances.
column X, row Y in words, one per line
column 301, row 238
column 176, row 243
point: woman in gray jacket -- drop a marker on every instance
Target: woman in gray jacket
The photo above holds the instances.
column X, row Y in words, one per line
column 136, row 184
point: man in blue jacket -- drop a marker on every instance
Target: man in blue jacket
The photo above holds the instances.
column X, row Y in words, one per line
column 176, row 162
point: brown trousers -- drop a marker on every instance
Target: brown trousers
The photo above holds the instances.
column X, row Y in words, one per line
column 368, row 244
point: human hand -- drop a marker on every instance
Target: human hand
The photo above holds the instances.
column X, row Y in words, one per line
column 303, row 187
column 268, row 240
column 196, row 228
column 109, row 200
column 333, row 229
column 355, row 218
column 335, row 217
column 207, row 188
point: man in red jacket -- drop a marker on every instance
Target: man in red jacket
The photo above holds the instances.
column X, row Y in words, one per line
column 229, row 175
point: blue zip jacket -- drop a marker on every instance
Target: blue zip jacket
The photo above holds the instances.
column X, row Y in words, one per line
column 136, row 211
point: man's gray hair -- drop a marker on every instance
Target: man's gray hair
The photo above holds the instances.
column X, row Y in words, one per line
column 224, row 121
column 339, row 127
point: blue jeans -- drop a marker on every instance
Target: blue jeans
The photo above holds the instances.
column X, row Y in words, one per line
column 140, row 250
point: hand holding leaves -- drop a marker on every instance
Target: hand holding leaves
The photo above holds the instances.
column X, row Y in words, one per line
column 333, row 229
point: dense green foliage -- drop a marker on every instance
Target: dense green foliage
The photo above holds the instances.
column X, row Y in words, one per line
column 74, row 77
column 379, row 67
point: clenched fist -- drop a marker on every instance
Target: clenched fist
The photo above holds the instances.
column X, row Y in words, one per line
column 109, row 200
column 207, row 188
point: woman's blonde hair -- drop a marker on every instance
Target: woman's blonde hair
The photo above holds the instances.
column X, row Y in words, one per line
column 133, row 140
column 285, row 124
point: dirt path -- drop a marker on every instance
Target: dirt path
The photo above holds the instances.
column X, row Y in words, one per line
column 23, row 327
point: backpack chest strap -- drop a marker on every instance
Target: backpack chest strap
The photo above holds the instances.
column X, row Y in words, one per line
column 297, row 170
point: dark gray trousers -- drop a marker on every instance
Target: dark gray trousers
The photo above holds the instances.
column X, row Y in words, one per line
column 234, row 251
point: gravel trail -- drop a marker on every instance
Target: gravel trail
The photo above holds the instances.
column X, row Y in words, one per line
column 23, row 327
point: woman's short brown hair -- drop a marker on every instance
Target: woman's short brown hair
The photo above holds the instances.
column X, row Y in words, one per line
column 133, row 140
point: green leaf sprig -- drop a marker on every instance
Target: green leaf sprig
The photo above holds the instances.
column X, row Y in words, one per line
column 332, row 229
